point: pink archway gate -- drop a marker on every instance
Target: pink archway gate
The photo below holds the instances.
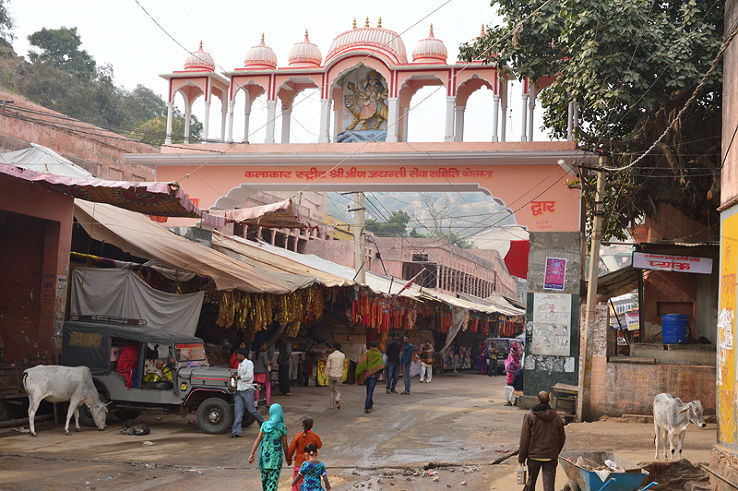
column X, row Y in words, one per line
column 532, row 179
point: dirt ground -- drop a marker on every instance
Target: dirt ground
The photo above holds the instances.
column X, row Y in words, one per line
column 457, row 426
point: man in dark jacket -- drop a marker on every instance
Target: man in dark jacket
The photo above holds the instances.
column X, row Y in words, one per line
column 541, row 441
column 393, row 364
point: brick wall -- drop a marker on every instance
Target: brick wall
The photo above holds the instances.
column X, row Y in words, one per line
column 93, row 148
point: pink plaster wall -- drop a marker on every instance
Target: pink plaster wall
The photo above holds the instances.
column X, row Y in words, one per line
column 100, row 153
column 514, row 179
column 35, row 242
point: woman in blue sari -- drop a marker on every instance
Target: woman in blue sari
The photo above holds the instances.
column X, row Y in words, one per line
column 273, row 440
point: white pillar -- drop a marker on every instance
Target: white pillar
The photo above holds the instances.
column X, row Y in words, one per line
column 575, row 117
column 206, row 123
column 503, row 112
column 531, row 107
column 170, row 110
column 325, row 118
column 246, row 119
column 524, row 119
column 405, row 123
column 495, row 116
column 450, row 105
column 223, row 115
column 459, row 131
column 336, row 126
column 271, row 121
column 188, row 112
column 393, row 111
column 231, row 105
column 286, row 120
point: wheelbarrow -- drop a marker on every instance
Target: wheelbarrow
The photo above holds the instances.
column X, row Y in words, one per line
column 587, row 471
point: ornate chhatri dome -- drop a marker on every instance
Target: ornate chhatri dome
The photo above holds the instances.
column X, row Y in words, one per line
column 260, row 56
column 378, row 39
column 430, row 50
column 305, row 54
column 199, row 61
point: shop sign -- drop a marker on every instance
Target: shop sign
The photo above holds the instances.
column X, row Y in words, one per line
column 679, row 264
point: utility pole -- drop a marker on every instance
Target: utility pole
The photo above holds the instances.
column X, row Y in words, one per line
column 359, row 238
column 594, row 266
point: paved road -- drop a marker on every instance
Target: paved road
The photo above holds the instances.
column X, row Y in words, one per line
column 458, row 420
column 450, row 420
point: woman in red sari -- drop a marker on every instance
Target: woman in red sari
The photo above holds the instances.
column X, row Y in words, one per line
column 127, row 362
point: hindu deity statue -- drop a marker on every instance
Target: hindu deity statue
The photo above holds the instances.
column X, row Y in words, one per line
column 367, row 102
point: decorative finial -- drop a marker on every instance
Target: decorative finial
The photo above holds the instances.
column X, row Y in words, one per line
column 262, row 38
column 379, row 24
column 431, row 31
column 306, row 34
column 481, row 32
column 354, row 26
column 366, row 24
column 201, row 44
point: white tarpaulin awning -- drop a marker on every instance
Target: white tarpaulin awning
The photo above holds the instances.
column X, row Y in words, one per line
column 121, row 293
column 252, row 253
column 138, row 235
column 41, row 159
column 282, row 214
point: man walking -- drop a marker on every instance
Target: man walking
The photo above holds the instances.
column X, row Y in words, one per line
column 406, row 359
column 426, row 362
column 334, row 371
column 366, row 373
column 244, row 397
column 393, row 364
column 541, row 441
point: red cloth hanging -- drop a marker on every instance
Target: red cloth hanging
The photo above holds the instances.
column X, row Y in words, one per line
column 516, row 258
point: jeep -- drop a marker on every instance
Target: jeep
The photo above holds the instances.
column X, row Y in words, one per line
column 171, row 373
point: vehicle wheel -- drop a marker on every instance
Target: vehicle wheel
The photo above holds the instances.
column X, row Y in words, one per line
column 570, row 486
column 214, row 415
column 85, row 416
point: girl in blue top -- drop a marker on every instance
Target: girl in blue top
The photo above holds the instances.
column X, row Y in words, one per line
column 271, row 442
column 311, row 471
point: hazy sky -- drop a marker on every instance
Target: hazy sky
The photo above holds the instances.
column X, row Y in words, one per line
column 121, row 34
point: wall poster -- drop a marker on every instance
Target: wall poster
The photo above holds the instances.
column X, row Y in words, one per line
column 551, row 324
column 555, row 273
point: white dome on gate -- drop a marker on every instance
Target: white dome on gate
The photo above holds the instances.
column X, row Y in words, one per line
column 305, row 54
column 377, row 39
column 430, row 50
column 260, row 56
column 199, row 60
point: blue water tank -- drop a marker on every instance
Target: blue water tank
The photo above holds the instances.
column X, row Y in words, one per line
column 674, row 328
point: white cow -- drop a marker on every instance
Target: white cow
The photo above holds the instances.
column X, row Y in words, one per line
column 672, row 416
column 58, row 384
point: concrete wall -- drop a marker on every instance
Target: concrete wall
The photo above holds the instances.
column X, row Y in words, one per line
column 35, row 239
column 629, row 388
column 543, row 371
column 97, row 150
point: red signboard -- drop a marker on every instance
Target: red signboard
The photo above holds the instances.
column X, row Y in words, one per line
column 665, row 262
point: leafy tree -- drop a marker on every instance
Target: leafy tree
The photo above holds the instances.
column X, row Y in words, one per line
column 395, row 226
column 142, row 104
column 6, row 22
column 60, row 47
column 154, row 130
column 630, row 65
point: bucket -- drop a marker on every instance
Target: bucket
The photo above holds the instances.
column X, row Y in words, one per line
column 674, row 328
